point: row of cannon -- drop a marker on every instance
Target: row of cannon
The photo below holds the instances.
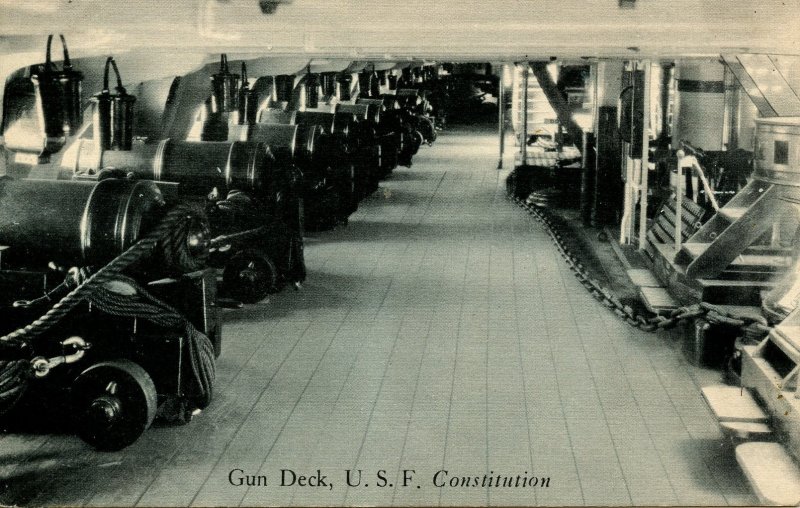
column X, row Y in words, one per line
column 117, row 251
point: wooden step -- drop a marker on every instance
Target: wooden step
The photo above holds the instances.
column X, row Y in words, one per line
column 689, row 207
column 746, row 430
column 733, row 404
column 750, row 256
column 732, row 212
column 695, row 250
column 768, row 250
column 658, row 300
column 642, row 277
column 762, row 260
column 749, row 312
column 735, row 283
column 720, row 240
column 667, row 216
column 773, row 474
column 733, row 292
column 787, row 338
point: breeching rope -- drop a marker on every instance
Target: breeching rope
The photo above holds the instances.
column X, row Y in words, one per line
column 168, row 239
column 140, row 304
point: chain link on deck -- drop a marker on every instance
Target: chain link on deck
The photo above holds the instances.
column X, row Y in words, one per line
column 649, row 322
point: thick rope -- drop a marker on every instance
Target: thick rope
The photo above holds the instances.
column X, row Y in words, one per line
column 143, row 305
column 13, row 382
column 173, row 247
column 140, row 250
column 14, row 373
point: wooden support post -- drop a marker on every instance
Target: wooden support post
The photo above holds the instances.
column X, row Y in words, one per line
column 679, row 205
column 626, row 227
column 523, row 145
column 501, row 117
column 645, row 166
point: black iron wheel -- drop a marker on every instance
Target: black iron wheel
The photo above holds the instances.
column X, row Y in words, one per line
column 249, row 276
column 114, row 403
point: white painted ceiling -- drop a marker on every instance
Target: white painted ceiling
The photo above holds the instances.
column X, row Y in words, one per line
column 406, row 29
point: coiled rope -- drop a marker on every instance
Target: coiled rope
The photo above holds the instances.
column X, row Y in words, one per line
column 169, row 238
column 115, row 299
column 162, row 236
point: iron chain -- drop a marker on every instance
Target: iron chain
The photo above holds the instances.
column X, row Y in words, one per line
column 649, row 322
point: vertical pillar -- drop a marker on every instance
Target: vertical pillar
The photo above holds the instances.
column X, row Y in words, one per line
column 666, row 71
column 679, row 205
column 501, row 116
column 523, row 145
column 588, row 163
column 607, row 199
column 701, row 104
column 645, row 165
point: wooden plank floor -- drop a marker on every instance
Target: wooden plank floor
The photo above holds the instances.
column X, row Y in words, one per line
column 439, row 330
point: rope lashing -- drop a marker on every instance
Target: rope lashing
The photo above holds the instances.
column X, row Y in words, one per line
column 163, row 236
column 122, row 296
column 169, row 238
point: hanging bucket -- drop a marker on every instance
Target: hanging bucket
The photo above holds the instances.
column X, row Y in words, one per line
column 40, row 111
column 113, row 113
column 248, row 101
column 225, row 87
column 328, row 82
column 374, row 85
column 344, row 80
column 58, row 94
column 215, row 126
column 364, row 79
column 284, row 85
column 312, row 91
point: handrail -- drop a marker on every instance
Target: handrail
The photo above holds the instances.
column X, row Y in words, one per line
column 679, row 205
column 691, row 150
column 688, row 161
column 709, row 192
column 692, row 161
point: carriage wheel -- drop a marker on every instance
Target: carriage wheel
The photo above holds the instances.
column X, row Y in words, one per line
column 250, row 276
column 114, row 403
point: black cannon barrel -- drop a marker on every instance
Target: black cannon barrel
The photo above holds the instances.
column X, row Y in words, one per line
column 336, row 147
column 389, row 127
column 312, row 141
column 368, row 148
column 198, row 166
column 343, row 126
column 362, row 110
column 348, row 127
column 377, row 107
column 390, row 101
column 275, row 116
column 384, row 111
column 282, row 140
column 304, row 144
column 359, row 116
column 324, row 118
column 74, row 222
